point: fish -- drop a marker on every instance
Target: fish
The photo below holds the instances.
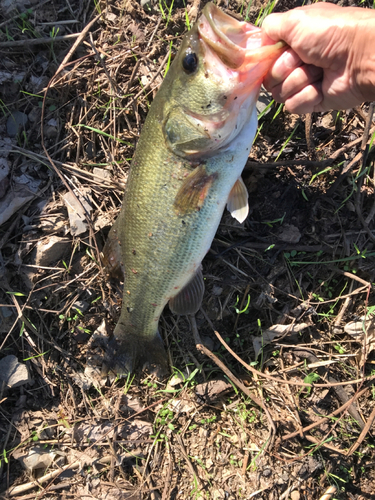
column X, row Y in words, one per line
column 186, row 168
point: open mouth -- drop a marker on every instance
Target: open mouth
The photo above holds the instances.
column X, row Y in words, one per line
column 237, row 43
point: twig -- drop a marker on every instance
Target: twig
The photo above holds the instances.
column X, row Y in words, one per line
column 363, row 434
column 193, row 323
column 327, row 495
column 348, row 167
column 351, row 276
column 243, row 388
column 164, row 61
column 167, row 486
column 280, row 380
column 308, row 134
column 81, row 37
column 57, row 171
column 347, row 302
column 230, row 375
column 16, row 16
column 37, row 41
column 309, row 163
column 287, row 492
column 288, row 163
column 325, row 445
column 188, row 461
column 291, row 435
column 153, row 33
column 339, row 391
column 358, row 198
column 77, row 171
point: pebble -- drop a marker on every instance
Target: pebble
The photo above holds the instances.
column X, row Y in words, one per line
column 12, row 372
column 15, row 122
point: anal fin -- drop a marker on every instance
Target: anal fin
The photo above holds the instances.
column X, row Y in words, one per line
column 237, row 201
column 189, row 299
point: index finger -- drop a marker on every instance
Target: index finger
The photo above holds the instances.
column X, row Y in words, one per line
column 282, row 68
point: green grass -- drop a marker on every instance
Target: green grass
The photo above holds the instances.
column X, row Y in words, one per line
column 287, row 141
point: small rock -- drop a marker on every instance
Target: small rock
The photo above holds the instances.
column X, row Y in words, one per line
column 12, row 372
column 208, row 342
column 177, row 379
column 110, row 16
column 9, row 77
column 218, row 494
column 210, row 391
column 358, row 328
column 35, row 115
column 350, row 206
column 289, row 234
column 102, row 173
column 38, row 83
column 41, row 61
column 182, row 405
column 6, row 319
column 4, row 185
column 103, row 220
column 76, row 211
column 50, row 131
column 7, row 312
column 15, row 122
column 51, row 250
column 217, row 290
column 4, row 168
column 264, row 100
column 52, row 122
column 39, row 458
column 295, row 495
column 144, row 80
column 131, row 404
column 81, row 305
column 329, row 119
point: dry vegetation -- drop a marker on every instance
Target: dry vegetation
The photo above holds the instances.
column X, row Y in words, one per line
column 290, row 292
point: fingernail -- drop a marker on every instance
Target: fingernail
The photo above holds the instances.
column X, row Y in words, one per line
column 290, row 59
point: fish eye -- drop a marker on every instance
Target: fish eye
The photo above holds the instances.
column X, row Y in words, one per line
column 190, row 62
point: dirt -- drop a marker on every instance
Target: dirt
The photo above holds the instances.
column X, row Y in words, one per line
column 286, row 290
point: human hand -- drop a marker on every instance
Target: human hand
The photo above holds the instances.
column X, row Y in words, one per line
column 331, row 60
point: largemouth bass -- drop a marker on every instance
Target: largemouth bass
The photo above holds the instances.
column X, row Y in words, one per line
column 186, row 168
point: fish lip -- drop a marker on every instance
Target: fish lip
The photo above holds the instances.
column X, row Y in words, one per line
column 222, row 25
column 237, row 41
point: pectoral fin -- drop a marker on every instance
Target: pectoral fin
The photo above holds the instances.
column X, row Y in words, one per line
column 193, row 191
column 237, row 203
column 189, row 299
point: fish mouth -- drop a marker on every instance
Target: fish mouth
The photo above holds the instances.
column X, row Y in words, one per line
column 238, row 44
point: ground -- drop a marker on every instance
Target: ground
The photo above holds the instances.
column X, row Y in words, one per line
column 290, row 291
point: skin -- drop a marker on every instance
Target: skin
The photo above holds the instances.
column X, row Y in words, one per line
column 331, row 60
